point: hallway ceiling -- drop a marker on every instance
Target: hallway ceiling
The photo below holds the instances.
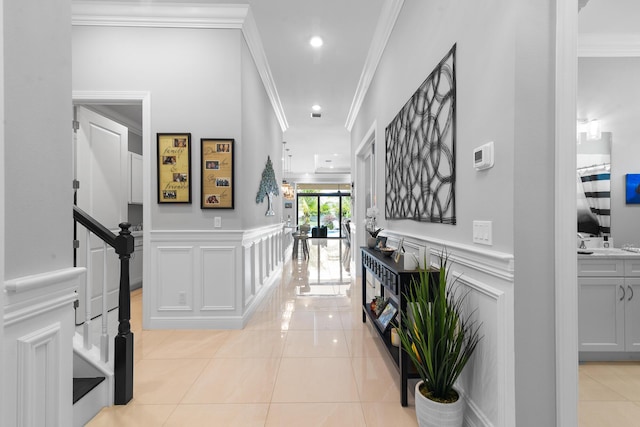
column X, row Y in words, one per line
column 305, row 76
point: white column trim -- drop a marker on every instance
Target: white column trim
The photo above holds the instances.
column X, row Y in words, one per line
column 43, row 280
column 566, row 280
column 2, row 206
column 610, row 45
column 357, row 194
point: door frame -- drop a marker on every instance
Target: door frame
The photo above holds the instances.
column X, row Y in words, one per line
column 318, row 196
column 132, row 98
column 566, row 275
column 358, row 202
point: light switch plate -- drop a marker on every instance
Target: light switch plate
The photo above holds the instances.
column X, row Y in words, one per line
column 217, row 222
column 482, row 232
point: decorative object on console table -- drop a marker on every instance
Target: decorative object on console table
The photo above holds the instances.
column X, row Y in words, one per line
column 371, row 226
column 216, row 173
column 174, row 167
column 419, row 189
column 394, row 281
column 388, row 251
column 440, row 338
column 381, row 242
column 268, row 187
column 387, row 315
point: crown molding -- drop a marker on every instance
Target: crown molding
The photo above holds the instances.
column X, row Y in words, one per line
column 609, row 45
column 184, row 15
column 168, row 15
column 386, row 22
column 254, row 42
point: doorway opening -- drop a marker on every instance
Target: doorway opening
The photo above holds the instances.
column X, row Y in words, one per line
column 325, row 212
column 133, row 111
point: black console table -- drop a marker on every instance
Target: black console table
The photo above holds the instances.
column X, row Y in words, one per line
column 395, row 281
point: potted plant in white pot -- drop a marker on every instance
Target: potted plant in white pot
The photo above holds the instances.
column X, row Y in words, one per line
column 439, row 339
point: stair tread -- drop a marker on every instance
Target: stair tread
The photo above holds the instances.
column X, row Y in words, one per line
column 82, row 386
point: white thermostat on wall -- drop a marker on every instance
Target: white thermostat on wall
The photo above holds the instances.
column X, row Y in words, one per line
column 483, row 156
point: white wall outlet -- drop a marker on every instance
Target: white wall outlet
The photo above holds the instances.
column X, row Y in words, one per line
column 482, row 232
column 182, row 298
column 217, row 222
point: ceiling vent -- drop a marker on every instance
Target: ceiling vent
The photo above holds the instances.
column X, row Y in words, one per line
column 316, row 115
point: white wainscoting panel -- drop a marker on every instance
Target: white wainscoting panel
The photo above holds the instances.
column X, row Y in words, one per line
column 37, row 373
column 175, row 278
column 218, row 274
column 247, row 271
column 39, row 376
column 209, row 279
column 487, row 383
column 483, row 380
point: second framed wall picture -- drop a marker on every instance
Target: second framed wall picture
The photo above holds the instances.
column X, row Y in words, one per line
column 217, row 173
column 174, row 168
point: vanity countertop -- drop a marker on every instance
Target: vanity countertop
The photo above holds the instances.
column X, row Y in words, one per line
column 608, row 253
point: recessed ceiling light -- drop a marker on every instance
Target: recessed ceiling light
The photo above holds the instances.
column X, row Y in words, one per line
column 316, row 41
column 316, row 107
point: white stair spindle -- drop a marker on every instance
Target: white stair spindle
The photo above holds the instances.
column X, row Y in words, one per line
column 104, row 338
column 86, row 329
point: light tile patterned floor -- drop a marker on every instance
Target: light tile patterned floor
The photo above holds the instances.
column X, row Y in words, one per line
column 305, row 359
column 609, row 394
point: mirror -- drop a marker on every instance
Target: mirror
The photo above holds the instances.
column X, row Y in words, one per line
column 593, row 180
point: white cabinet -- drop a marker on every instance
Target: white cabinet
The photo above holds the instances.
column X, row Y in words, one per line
column 601, row 313
column 135, row 178
column 135, row 265
column 608, row 305
column 632, row 314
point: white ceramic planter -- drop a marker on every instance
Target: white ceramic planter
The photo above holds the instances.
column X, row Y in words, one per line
column 435, row 414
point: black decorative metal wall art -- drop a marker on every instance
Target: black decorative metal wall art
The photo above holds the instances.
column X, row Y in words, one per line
column 420, row 151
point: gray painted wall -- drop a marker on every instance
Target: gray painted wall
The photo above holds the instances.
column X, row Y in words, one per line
column 193, row 76
column 261, row 137
column 609, row 90
column 38, row 230
column 505, row 80
column 423, row 34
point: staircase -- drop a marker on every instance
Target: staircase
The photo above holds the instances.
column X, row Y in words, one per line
column 88, row 395
column 102, row 372
column 92, row 382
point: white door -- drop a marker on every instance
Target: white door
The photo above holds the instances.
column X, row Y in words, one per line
column 101, row 168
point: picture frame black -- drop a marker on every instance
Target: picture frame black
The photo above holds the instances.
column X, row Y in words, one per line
column 217, row 173
column 387, row 315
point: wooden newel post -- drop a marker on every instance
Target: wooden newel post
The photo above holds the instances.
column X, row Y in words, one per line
column 123, row 358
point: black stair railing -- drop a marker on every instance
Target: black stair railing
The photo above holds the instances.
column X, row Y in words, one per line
column 123, row 244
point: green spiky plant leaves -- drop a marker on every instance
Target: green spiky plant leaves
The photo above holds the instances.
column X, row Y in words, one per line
column 438, row 337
